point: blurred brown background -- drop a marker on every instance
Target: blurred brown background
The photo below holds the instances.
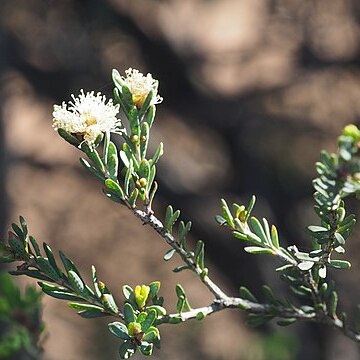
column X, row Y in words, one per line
column 253, row 90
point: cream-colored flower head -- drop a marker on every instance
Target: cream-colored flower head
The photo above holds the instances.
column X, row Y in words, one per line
column 140, row 86
column 88, row 115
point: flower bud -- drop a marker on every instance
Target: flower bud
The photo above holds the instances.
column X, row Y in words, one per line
column 141, row 294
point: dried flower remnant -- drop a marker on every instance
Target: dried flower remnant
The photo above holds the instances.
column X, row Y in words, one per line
column 87, row 116
column 140, row 87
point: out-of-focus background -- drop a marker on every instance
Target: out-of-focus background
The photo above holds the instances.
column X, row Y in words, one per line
column 253, row 90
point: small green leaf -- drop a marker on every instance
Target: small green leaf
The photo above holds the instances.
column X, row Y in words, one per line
column 76, row 282
column 340, row 239
column 129, row 314
column 154, row 289
column 250, row 208
column 36, row 274
column 109, row 302
column 286, row 322
column 150, row 318
column 46, row 267
column 119, row 330
column 62, row 295
column 115, row 187
column 259, row 230
column 133, row 197
column 240, row 235
column 247, row 295
column 274, row 237
column 255, row 320
column 92, row 314
column 159, row 152
column 305, row 265
column 333, row 302
column 150, row 336
column 340, row 264
column 181, row 268
column 159, row 309
column 69, row 138
column 95, row 282
column 258, row 250
column 150, row 115
column 146, row 104
column 199, row 254
column 127, row 291
column 227, row 213
column 146, row 349
column 183, row 302
column 91, row 169
column 51, row 258
column 144, row 138
column 169, row 254
column 35, row 246
column 126, row 350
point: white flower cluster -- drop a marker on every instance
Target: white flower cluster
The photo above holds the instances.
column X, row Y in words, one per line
column 140, row 86
column 88, row 115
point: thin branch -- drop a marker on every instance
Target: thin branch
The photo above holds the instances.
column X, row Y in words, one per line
column 157, row 225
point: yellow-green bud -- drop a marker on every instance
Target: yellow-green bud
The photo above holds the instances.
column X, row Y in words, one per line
column 141, row 182
column 141, row 294
column 353, row 131
column 101, row 285
column 134, row 138
column 134, row 328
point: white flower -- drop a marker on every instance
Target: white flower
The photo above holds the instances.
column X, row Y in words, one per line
column 140, row 86
column 88, row 115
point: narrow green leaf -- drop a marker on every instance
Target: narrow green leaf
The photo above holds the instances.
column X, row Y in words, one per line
column 274, row 237
column 240, row 235
column 199, row 254
column 181, row 268
column 133, row 197
column 250, row 207
column 91, row 169
column 247, row 295
column 95, row 282
column 286, row 322
column 333, row 302
column 35, row 246
column 146, row 104
column 144, row 140
column 46, row 267
column 159, row 152
column 76, row 282
column 255, row 320
column 258, row 230
column 169, row 254
column 62, row 295
column 109, row 302
column 36, row 274
column 258, row 250
column 69, row 138
column 227, row 213
column 51, row 258
column 150, row 115
column 340, row 264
